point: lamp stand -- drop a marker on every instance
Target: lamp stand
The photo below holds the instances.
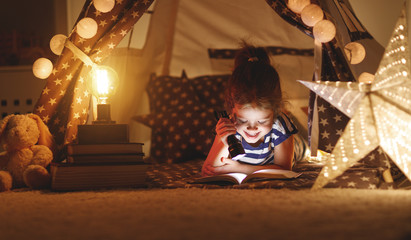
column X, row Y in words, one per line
column 103, row 114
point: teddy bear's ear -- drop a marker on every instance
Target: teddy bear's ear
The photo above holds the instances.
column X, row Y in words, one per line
column 4, row 124
column 45, row 138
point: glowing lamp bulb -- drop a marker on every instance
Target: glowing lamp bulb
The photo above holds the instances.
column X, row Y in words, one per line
column 104, row 83
column 312, row 14
column 297, row 5
column 355, row 52
column 104, row 5
column 42, row 68
column 324, row 31
column 87, row 28
column 57, row 43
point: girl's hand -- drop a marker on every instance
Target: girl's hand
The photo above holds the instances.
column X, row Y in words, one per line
column 227, row 166
column 209, row 169
column 224, row 128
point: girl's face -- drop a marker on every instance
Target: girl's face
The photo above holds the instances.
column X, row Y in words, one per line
column 253, row 123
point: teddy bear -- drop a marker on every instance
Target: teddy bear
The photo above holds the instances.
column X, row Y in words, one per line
column 28, row 146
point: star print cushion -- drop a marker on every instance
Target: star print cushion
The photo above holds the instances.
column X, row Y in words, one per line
column 181, row 123
column 190, row 135
column 167, row 93
column 210, row 90
column 181, row 135
column 158, row 150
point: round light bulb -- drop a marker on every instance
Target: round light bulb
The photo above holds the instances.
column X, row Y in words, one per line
column 87, row 28
column 355, row 52
column 324, row 31
column 297, row 5
column 42, row 68
column 104, row 82
column 57, row 43
column 366, row 77
column 312, row 14
column 104, row 5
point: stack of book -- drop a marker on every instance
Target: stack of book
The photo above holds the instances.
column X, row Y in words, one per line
column 96, row 165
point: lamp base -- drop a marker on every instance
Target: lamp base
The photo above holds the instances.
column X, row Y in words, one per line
column 103, row 114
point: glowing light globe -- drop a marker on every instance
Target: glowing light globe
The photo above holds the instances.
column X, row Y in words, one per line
column 57, row 43
column 355, row 52
column 312, row 14
column 104, row 5
column 42, row 68
column 324, row 31
column 297, row 5
column 103, row 83
column 87, row 28
column 366, row 77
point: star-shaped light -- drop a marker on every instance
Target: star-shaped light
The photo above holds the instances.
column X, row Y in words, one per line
column 380, row 112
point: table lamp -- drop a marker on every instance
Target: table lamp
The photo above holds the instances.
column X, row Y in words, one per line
column 104, row 82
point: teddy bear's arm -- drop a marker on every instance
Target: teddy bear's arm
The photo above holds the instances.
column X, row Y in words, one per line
column 42, row 155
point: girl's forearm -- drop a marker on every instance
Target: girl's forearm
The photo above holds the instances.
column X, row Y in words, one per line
column 217, row 151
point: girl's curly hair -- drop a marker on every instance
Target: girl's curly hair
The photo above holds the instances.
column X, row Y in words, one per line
column 254, row 81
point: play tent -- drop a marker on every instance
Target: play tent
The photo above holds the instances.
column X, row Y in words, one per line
column 188, row 39
column 182, row 35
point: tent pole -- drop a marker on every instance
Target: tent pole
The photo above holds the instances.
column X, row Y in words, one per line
column 170, row 38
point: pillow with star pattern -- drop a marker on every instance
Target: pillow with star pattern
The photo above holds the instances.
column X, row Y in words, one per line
column 210, row 90
column 182, row 115
column 181, row 135
column 167, row 93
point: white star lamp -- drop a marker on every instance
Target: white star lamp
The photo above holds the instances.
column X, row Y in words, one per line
column 380, row 112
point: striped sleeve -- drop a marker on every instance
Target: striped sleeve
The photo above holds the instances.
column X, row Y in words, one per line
column 283, row 128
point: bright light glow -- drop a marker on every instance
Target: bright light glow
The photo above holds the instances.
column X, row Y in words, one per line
column 104, row 5
column 87, row 28
column 355, row 52
column 102, row 84
column 57, row 43
column 324, row 31
column 312, row 14
column 42, row 68
column 297, row 5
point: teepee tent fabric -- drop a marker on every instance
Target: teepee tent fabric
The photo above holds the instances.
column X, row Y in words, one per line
column 332, row 65
column 183, row 34
column 65, row 99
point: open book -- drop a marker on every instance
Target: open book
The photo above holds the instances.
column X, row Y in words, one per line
column 240, row 178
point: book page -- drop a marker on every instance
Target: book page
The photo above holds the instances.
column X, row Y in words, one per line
column 238, row 176
column 235, row 178
column 272, row 174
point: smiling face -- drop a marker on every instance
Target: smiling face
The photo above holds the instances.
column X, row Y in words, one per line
column 253, row 123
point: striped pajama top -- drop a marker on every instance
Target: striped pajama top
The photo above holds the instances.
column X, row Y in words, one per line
column 282, row 129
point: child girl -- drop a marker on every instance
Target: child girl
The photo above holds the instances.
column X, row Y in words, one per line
column 254, row 102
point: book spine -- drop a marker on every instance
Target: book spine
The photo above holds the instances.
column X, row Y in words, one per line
column 105, row 158
column 126, row 148
column 68, row 177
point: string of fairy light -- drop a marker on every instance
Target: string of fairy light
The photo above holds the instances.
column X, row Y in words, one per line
column 86, row 28
column 324, row 31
